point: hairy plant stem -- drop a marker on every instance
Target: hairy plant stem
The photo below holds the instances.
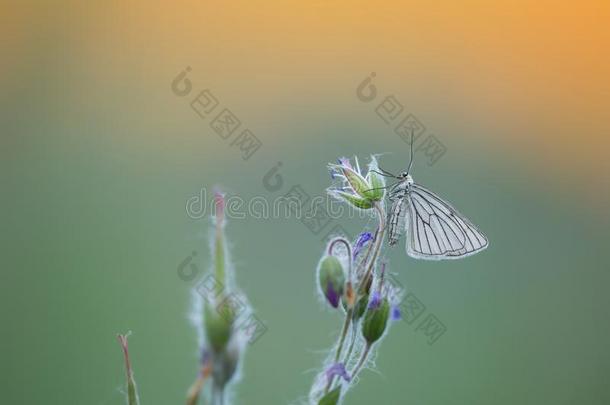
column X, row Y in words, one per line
column 132, row 392
column 363, row 357
column 376, row 249
column 350, row 350
column 364, row 261
column 346, row 323
column 218, row 395
column 349, row 253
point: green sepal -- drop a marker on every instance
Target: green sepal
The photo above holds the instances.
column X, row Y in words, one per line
column 217, row 328
column 356, row 201
column 331, row 398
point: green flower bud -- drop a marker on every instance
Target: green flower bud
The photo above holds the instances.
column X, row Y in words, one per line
column 331, row 278
column 356, row 201
column 217, row 329
column 375, row 320
column 376, row 189
column 331, row 398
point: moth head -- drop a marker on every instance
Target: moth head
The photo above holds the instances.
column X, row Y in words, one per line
column 405, row 176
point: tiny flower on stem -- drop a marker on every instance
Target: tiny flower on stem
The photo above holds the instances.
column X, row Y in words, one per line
column 396, row 314
column 375, row 301
column 337, row 369
column 361, row 242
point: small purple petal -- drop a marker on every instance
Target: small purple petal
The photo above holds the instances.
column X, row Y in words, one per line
column 362, row 240
column 345, row 162
column 337, row 369
column 375, row 300
column 331, row 295
column 396, row 314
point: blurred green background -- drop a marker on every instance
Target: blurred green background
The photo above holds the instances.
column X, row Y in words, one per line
column 99, row 157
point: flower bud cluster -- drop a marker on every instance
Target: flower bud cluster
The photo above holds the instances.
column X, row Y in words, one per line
column 350, row 276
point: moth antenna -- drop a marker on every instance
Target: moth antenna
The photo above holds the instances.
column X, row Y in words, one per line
column 385, row 173
column 411, row 159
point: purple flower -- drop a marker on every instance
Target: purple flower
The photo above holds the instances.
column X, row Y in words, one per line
column 375, row 300
column 345, row 162
column 337, row 369
column 396, row 314
column 331, row 295
column 362, row 240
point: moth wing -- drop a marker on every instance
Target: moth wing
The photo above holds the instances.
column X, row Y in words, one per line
column 438, row 231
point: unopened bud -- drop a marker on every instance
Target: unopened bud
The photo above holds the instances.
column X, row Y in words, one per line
column 331, row 278
column 375, row 320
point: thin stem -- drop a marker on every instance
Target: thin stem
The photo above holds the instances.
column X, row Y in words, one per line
column 218, row 395
column 363, row 357
column 132, row 392
column 350, row 350
column 349, row 253
column 368, row 253
column 376, row 249
column 221, row 397
column 346, row 323
column 219, row 244
column 192, row 397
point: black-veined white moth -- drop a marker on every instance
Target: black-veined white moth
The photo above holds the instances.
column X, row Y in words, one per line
column 435, row 230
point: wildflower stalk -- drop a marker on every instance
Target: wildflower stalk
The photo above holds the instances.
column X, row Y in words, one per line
column 352, row 344
column 218, row 396
column 132, row 392
column 366, row 314
column 224, row 342
column 345, row 329
column 219, row 244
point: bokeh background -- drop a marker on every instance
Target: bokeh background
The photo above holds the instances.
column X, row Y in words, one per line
column 98, row 157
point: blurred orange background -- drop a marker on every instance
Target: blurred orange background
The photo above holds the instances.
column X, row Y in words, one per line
column 529, row 79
